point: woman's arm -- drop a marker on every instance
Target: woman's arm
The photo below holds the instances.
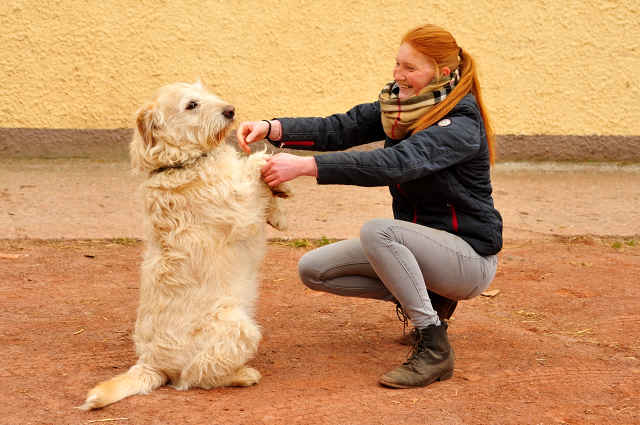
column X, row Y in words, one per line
column 337, row 132
column 425, row 152
column 430, row 150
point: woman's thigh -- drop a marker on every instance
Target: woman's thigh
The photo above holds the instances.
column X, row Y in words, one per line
column 448, row 264
column 342, row 268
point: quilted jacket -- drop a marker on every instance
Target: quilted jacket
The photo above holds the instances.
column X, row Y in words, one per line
column 438, row 177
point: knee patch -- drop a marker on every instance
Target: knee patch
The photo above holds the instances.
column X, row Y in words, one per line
column 307, row 273
column 372, row 229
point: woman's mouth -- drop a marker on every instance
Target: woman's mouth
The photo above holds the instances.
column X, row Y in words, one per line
column 404, row 86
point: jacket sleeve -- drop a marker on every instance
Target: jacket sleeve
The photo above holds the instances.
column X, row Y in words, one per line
column 427, row 151
column 337, row 132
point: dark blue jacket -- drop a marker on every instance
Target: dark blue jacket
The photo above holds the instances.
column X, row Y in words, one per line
column 438, row 177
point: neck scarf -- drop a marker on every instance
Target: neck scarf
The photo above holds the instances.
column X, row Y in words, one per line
column 398, row 115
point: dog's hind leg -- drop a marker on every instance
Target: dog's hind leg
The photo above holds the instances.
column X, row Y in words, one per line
column 243, row 377
column 222, row 363
column 140, row 379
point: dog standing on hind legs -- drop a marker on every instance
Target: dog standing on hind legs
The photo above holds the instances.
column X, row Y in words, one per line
column 206, row 208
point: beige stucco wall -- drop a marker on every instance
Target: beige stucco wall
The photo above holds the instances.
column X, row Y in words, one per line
column 548, row 67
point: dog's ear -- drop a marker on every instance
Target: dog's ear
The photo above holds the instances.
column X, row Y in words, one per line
column 147, row 119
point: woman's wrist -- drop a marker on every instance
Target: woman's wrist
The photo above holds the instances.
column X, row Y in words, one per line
column 311, row 167
column 276, row 131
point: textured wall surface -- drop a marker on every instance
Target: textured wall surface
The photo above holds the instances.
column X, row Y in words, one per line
column 548, row 67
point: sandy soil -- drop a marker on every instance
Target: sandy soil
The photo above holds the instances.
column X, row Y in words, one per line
column 558, row 344
column 83, row 198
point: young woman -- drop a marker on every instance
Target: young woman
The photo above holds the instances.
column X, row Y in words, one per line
column 436, row 162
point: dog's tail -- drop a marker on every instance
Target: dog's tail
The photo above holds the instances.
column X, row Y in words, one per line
column 140, row 379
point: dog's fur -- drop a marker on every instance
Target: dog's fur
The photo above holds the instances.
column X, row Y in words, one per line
column 205, row 213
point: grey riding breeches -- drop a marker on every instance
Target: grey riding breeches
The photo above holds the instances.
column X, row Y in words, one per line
column 397, row 261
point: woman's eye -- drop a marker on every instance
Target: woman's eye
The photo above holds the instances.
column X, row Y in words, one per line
column 192, row 105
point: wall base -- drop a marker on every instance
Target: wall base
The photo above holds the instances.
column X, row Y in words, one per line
column 70, row 143
column 568, row 148
column 64, row 143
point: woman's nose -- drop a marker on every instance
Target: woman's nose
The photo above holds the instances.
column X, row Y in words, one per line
column 397, row 75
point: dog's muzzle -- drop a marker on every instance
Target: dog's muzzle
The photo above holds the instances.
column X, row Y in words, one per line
column 229, row 111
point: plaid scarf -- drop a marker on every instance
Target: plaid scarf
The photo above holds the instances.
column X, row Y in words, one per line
column 398, row 115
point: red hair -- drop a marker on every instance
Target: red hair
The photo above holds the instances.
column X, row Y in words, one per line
column 438, row 45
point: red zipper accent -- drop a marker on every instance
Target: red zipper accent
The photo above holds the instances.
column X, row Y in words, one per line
column 415, row 213
column 297, row 143
column 395, row 125
column 454, row 217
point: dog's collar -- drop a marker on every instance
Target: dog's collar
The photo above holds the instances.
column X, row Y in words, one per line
column 169, row 167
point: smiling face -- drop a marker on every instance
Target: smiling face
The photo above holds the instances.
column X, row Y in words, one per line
column 413, row 71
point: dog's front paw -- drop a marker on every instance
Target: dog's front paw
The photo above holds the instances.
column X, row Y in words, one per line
column 282, row 190
column 278, row 216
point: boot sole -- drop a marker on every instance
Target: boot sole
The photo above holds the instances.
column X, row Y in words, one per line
column 443, row 377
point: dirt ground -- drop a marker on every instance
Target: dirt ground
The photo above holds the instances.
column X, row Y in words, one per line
column 559, row 343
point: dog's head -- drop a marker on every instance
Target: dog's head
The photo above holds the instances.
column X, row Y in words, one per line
column 178, row 124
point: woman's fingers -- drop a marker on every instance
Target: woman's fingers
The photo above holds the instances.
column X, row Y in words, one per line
column 241, row 134
column 250, row 132
column 280, row 168
column 257, row 133
column 269, row 174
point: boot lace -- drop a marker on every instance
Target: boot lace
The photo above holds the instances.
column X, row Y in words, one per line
column 402, row 317
column 416, row 338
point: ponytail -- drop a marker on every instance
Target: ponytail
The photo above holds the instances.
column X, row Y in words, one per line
column 439, row 45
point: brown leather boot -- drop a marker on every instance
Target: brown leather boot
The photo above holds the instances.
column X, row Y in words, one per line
column 431, row 360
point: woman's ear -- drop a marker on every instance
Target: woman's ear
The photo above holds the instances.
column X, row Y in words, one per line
column 446, row 71
column 147, row 119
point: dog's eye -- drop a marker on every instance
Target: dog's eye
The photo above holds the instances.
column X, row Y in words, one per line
column 192, row 105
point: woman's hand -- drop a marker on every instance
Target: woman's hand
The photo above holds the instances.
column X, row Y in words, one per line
column 253, row 131
column 283, row 167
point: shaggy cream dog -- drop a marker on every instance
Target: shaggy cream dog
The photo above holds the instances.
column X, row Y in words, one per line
column 205, row 213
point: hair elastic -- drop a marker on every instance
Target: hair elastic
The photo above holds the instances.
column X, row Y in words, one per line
column 269, row 133
column 460, row 52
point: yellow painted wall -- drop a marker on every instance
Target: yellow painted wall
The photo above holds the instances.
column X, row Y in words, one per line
column 548, row 67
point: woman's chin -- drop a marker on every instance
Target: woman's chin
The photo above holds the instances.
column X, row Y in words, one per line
column 406, row 92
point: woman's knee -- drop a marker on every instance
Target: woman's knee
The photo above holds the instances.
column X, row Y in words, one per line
column 374, row 229
column 308, row 272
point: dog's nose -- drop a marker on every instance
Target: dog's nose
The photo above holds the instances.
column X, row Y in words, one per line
column 229, row 111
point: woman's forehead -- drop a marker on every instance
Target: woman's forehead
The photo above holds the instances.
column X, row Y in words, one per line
column 408, row 55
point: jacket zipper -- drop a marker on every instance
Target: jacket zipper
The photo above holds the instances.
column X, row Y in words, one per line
column 415, row 213
column 454, row 216
column 296, row 143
